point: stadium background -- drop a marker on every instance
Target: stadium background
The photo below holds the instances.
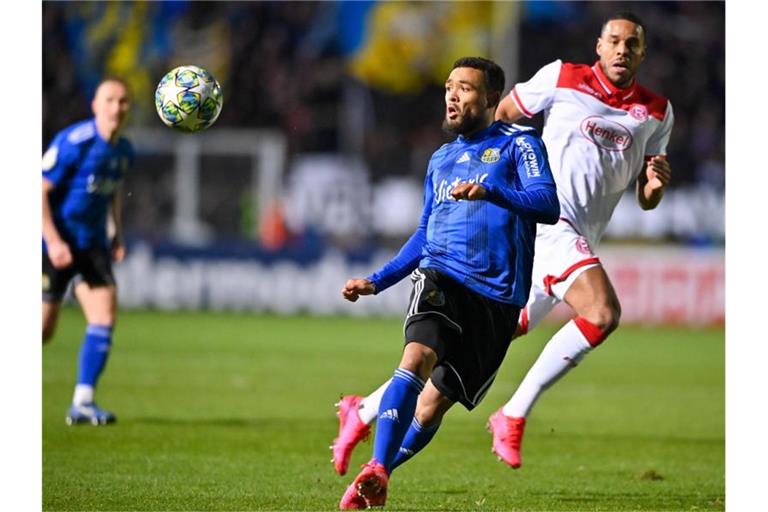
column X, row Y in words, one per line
column 313, row 171
column 331, row 111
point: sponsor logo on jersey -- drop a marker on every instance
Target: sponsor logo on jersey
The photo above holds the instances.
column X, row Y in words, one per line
column 101, row 186
column 491, row 155
column 532, row 169
column 49, row 158
column 463, row 158
column 639, row 112
column 606, row 134
column 443, row 189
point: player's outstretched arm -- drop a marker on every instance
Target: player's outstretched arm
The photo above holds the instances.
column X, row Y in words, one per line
column 651, row 182
column 356, row 287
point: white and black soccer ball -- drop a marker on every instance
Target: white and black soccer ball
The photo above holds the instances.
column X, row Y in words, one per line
column 188, row 98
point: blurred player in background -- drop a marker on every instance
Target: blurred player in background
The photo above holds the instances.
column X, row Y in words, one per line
column 82, row 172
column 603, row 132
column 470, row 259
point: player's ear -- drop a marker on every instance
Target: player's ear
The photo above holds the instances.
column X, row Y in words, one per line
column 493, row 99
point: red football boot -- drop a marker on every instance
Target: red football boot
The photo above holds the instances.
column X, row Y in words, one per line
column 507, row 437
column 351, row 431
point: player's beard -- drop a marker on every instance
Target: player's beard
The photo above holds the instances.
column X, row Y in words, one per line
column 469, row 124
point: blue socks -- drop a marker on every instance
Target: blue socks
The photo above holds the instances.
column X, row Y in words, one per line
column 93, row 353
column 398, row 404
column 416, row 438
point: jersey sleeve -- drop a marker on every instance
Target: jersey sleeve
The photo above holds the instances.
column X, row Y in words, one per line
column 409, row 256
column 58, row 160
column 538, row 198
column 537, row 94
column 657, row 143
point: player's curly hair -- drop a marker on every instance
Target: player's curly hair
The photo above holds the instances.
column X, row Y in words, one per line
column 494, row 75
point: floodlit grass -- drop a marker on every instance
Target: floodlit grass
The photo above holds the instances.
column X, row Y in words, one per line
column 235, row 412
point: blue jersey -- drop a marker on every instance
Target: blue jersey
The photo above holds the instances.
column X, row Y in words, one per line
column 487, row 245
column 85, row 171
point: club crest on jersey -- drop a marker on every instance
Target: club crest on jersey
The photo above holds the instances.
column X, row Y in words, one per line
column 490, row 156
column 583, row 246
column 606, row 134
column 639, row 112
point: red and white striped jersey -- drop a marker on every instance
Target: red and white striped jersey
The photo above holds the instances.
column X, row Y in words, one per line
column 597, row 137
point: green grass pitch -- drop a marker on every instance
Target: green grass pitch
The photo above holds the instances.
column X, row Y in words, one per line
column 235, row 412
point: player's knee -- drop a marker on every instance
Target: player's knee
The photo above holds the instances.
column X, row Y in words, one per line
column 599, row 323
column 429, row 416
column 419, row 359
column 431, row 408
column 605, row 315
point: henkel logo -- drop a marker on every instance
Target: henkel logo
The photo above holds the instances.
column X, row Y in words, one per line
column 606, row 134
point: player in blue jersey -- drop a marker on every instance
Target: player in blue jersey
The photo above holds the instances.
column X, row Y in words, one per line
column 82, row 172
column 470, row 260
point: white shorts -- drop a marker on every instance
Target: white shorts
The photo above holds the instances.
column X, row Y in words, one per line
column 561, row 255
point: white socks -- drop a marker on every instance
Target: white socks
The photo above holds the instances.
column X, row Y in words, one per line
column 83, row 394
column 369, row 407
column 564, row 351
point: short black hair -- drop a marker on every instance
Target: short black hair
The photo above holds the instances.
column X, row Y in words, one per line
column 628, row 16
column 492, row 72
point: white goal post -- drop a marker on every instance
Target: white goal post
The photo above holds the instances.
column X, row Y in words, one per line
column 266, row 149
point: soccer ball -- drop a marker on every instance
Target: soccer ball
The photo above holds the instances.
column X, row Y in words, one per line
column 188, row 98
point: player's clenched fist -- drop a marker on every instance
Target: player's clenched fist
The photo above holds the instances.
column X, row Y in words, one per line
column 60, row 255
column 658, row 171
column 357, row 287
column 470, row 191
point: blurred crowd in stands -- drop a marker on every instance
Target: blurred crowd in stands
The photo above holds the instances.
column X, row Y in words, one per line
column 365, row 78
